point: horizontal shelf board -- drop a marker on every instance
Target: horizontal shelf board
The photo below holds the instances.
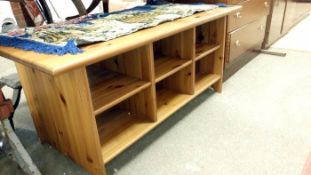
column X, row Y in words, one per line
column 203, row 50
column 118, row 130
column 169, row 102
column 166, row 66
column 112, row 88
column 204, row 81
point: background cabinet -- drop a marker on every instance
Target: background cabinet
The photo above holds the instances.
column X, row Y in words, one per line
column 246, row 31
column 102, row 101
column 284, row 14
column 295, row 11
column 275, row 21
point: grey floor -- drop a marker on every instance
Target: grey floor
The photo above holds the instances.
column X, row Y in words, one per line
column 259, row 125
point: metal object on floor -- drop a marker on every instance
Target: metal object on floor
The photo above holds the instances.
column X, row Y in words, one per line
column 280, row 54
column 22, row 157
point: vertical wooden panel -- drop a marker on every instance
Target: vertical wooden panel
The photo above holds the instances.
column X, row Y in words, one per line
column 148, row 75
column 219, row 54
column 189, row 43
column 182, row 81
column 144, row 102
column 131, row 63
column 62, row 110
column 213, row 32
column 27, row 77
column 171, row 46
column 177, row 46
column 206, row 64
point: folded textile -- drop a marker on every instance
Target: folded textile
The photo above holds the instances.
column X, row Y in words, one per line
column 65, row 38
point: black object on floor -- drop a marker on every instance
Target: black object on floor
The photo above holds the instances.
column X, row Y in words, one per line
column 13, row 82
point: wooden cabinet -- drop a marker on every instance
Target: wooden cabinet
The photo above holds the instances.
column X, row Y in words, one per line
column 284, row 14
column 94, row 105
column 294, row 12
column 290, row 15
column 275, row 22
column 240, row 43
column 246, row 31
column 251, row 11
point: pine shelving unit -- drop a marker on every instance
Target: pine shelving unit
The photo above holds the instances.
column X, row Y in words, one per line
column 94, row 105
column 134, row 91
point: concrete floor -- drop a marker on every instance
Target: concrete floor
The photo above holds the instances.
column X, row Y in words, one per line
column 260, row 124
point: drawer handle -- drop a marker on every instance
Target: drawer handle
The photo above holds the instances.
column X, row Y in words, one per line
column 237, row 43
column 238, row 15
column 267, row 4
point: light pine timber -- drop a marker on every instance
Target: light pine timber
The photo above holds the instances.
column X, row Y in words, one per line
column 63, row 114
column 60, row 90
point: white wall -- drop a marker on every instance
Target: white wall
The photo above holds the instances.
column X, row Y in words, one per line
column 5, row 10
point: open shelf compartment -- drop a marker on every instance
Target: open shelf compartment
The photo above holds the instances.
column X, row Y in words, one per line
column 115, row 79
column 206, row 40
column 174, row 92
column 173, row 54
column 124, row 123
column 205, row 76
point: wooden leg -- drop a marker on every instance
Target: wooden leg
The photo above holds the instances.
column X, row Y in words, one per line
column 219, row 54
column 63, row 114
column 106, row 6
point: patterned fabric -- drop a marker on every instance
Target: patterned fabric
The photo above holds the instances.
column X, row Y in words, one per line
column 103, row 27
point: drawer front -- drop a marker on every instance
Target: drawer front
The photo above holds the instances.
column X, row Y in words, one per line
column 245, row 38
column 251, row 11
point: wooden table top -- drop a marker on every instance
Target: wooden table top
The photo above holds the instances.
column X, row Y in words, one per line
column 54, row 65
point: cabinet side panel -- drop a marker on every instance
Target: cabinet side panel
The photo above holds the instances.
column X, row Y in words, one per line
column 62, row 106
column 28, row 81
column 221, row 25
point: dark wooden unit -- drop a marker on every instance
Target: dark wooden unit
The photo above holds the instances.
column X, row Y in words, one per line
column 284, row 14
